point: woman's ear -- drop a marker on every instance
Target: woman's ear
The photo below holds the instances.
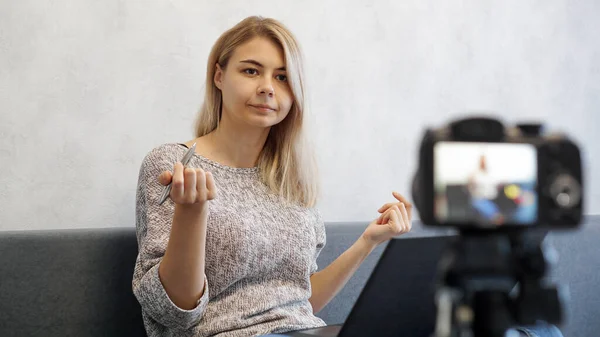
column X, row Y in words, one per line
column 218, row 79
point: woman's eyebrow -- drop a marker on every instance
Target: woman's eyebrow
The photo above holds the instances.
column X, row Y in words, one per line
column 258, row 64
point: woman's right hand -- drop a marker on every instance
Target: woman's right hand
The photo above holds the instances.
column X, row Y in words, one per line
column 190, row 186
column 182, row 268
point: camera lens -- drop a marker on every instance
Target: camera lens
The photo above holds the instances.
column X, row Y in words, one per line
column 565, row 191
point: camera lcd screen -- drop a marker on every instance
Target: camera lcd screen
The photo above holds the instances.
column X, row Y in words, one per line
column 490, row 184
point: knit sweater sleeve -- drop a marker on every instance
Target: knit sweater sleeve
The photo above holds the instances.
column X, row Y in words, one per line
column 153, row 228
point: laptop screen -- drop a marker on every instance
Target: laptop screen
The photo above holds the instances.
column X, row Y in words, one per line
column 398, row 298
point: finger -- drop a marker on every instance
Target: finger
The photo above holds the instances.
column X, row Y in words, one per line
column 190, row 185
column 405, row 217
column 201, row 184
column 386, row 216
column 386, row 207
column 397, row 226
column 406, row 203
column 210, row 185
column 165, row 178
column 396, row 220
column 383, row 218
column 177, row 185
column 402, row 199
column 389, row 208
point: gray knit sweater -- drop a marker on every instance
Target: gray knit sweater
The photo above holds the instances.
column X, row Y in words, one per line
column 260, row 253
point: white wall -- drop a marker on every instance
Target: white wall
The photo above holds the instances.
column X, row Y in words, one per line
column 87, row 88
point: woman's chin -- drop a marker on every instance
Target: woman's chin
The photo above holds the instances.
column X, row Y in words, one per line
column 263, row 121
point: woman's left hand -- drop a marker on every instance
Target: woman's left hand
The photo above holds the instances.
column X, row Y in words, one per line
column 395, row 219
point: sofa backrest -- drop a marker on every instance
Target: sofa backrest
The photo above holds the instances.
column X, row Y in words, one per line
column 78, row 282
column 68, row 283
column 577, row 269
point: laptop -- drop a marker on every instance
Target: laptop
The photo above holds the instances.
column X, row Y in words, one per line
column 398, row 298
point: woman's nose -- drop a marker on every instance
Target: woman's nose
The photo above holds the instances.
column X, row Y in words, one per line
column 266, row 88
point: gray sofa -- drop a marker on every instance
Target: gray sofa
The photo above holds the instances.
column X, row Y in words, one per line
column 78, row 282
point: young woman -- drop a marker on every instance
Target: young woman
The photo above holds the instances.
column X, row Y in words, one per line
column 233, row 251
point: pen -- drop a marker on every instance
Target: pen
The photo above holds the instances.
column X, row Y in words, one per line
column 186, row 158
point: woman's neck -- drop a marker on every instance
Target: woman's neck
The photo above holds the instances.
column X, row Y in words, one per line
column 235, row 148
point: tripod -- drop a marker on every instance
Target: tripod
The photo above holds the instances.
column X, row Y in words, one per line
column 490, row 282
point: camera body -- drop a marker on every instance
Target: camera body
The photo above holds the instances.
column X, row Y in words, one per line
column 475, row 174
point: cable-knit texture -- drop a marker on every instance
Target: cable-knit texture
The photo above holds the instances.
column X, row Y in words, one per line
column 260, row 253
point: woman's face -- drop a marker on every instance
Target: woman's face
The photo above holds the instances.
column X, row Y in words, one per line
column 254, row 84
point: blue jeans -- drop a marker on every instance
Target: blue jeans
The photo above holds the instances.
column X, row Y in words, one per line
column 538, row 330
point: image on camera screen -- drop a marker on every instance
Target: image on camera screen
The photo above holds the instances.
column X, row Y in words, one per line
column 485, row 183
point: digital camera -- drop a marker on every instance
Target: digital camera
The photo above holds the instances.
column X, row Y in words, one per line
column 475, row 173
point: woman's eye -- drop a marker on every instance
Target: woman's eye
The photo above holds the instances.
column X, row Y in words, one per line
column 250, row 71
column 282, row 78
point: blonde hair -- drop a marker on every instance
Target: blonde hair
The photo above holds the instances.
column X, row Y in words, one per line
column 286, row 163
